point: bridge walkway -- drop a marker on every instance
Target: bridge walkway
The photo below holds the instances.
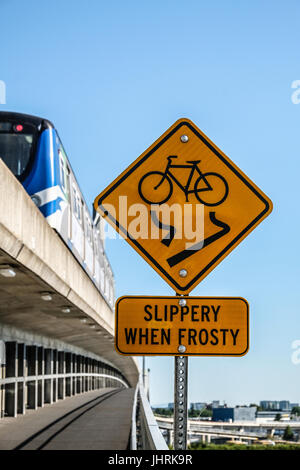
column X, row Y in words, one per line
column 97, row 420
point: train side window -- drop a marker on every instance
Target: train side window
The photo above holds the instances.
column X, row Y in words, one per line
column 79, row 208
column 106, row 290
column 77, row 204
column 74, row 199
column 90, row 234
column 63, row 172
column 68, row 178
column 88, row 228
column 96, row 247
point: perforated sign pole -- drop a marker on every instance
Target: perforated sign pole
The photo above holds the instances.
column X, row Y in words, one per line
column 180, row 402
column 180, row 397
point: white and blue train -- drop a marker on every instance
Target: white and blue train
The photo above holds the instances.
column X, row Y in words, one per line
column 30, row 146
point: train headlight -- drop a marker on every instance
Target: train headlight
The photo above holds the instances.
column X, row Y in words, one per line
column 37, row 200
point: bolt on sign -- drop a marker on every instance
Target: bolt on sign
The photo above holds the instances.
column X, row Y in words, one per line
column 183, row 205
column 191, row 326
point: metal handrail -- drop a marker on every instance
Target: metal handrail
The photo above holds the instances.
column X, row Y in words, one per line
column 148, row 434
column 133, row 436
column 31, row 378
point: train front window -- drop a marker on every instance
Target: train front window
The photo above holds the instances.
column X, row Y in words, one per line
column 16, row 146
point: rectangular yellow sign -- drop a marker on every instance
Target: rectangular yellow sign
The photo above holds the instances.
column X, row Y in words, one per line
column 182, row 326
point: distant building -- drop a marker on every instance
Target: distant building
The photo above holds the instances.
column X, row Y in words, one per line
column 294, row 405
column 241, row 413
column 198, row 406
column 215, row 404
column 171, row 406
column 285, row 405
column 268, row 405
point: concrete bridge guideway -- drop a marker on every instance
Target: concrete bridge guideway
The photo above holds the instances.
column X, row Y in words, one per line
column 75, row 319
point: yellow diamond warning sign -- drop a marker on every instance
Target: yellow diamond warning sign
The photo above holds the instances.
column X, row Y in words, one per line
column 183, row 205
column 191, row 326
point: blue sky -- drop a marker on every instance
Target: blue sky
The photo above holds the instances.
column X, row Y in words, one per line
column 113, row 76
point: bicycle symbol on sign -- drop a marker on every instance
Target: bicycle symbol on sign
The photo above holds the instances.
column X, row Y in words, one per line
column 156, row 187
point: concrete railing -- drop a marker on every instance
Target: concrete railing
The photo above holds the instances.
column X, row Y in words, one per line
column 145, row 433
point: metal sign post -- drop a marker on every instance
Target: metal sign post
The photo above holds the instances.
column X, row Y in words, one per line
column 144, row 371
column 180, row 396
column 180, row 403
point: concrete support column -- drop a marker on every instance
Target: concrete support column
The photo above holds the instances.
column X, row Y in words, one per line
column 94, row 371
column 100, row 378
column 11, row 390
column 78, row 371
column 81, row 362
column 22, row 372
column 48, row 386
column 82, row 369
column 68, row 369
column 86, row 370
column 92, row 378
column 103, row 378
column 90, row 370
column 82, row 365
column 32, row 386
column 86, row 366
column 97, row 372
column 74, row 368
column 107, row 381
column 2, row 376
column 41, row 371
column 61, row 380
column 80, row 382
column 55, row 371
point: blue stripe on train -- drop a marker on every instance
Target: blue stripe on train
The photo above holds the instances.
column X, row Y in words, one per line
column 51, row 207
